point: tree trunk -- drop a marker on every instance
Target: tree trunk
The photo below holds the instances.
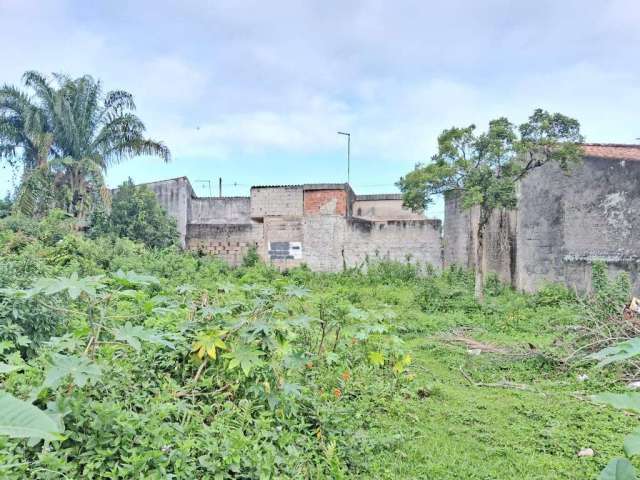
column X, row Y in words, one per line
column 479, row 267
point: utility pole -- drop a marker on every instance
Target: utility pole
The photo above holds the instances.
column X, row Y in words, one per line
column 348, row 135
column 220, row 187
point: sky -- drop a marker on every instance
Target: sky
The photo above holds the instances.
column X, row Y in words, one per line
column 254, row 91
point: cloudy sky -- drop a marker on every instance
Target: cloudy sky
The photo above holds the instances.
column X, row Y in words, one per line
column 254, row 91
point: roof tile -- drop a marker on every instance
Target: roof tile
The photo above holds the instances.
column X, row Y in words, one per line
column 614, row 151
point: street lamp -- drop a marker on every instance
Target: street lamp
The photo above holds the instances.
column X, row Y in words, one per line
column 348, row 135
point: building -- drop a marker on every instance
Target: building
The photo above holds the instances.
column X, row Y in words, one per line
column 563, row 223
column 325, row 226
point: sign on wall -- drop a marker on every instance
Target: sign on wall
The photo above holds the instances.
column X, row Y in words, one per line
column 285, row 250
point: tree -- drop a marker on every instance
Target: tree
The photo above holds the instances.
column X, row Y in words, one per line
column 65, row 136
column 485, row 168
column 136, row 214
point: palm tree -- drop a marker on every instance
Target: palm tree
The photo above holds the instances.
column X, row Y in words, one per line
column 66, row 136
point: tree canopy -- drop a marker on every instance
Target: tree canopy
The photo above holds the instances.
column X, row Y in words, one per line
column 484, row 168
column 65, row 134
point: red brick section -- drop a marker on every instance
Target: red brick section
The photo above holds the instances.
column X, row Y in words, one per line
column 614, row 151
column 315, row 200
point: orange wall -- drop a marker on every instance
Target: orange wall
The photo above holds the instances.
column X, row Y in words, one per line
column 325, row 202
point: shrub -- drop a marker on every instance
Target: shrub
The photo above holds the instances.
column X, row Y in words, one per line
column 135, row 214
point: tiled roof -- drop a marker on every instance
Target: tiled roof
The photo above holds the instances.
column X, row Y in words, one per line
column 614, row 151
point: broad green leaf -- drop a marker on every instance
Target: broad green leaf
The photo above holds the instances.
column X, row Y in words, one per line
column 80, row 369
column 618, row 469
column 617, row 353
column 132, row 278
column 134, row 334
column 623, row 401
column 20, row 419
column 376, row 358
column 292, row 389
column 6, row 368
column 73, row 285
column 244, row 356
column 296, row 291
column 632, row 443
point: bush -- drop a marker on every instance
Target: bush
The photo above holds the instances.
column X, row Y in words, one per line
column 135, row 214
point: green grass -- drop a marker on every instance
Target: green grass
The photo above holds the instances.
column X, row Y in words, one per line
column 450, row 415
column 454, row 429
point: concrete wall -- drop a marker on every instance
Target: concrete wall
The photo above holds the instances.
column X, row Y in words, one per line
column 175, row 197
column 564, row 222
column 383, row 207
column 286, row 201
column 215, row 210
column 332, row 243
column 292, row 225
column 229, row 242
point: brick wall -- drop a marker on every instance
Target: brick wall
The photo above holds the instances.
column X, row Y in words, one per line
column 325, row 202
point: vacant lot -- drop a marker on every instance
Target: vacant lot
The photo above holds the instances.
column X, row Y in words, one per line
column 159, row 364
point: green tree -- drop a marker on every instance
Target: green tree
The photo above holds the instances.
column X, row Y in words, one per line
column 65, row 136
column 136, row 214
column 485, row 168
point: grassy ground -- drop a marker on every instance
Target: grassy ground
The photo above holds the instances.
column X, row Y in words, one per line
column 308, row 405
column 465, row 425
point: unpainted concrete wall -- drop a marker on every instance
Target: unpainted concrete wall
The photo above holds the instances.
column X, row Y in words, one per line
column 217, row 210
column 332, row 243
column 383, row 207
column 229, row 242
column 564, row 222
column 277, row 201
column 175, row 197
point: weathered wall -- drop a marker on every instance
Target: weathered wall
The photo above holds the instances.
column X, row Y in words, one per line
column 457, row 235
column 229, row 242
column 175, row 197
column 282, row 236
column 564, row 222
column 216, row 210
column 383, row 207
column 325, row 202
column 286, row 201
column 334, row 242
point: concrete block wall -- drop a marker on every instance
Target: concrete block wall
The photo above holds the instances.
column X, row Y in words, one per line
column 332, row 243
column 286, row 201
column 282, row 230
column 383, row 207
column 229, row 242
column 292, row 225
column 219, row 210
column 414, row 241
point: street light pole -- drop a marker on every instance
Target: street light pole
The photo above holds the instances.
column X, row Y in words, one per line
column 348, row 135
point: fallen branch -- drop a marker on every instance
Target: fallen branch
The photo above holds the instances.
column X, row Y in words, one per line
column 503, row 384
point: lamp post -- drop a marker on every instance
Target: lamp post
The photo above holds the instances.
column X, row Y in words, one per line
column 348, row 135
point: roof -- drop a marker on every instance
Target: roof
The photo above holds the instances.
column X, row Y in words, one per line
column 379, row 196
column 309, row 186
column 614, row 151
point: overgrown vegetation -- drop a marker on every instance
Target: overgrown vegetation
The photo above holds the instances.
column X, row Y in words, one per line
column 130, row 362
column 135, row 214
